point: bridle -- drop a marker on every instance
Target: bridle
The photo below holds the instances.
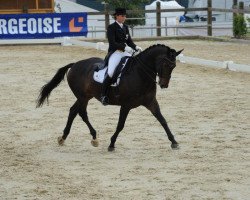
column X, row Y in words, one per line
column 171, row 66
column 173, row 63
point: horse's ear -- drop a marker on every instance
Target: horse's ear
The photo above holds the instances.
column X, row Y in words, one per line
column 178, row 52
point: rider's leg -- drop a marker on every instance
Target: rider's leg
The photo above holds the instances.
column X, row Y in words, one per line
column 114, row 60
column 105, row 87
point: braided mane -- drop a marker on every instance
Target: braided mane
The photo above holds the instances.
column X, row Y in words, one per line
column 157, row 45
column 162, row 46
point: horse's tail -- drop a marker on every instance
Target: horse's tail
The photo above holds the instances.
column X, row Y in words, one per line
column 55, row 81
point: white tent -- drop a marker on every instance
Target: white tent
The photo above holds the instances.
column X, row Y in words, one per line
column 95, row 22
column 167, row 18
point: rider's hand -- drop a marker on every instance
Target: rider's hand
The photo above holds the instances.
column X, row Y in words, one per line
column 129, row 49
column 139, row 49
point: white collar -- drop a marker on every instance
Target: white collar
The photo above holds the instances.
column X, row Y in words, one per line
column 120, row 24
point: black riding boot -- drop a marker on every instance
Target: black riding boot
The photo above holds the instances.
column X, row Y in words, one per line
column 105, row 88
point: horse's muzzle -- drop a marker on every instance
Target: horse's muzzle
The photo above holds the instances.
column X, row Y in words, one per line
column 163, row 86
column 163, row 83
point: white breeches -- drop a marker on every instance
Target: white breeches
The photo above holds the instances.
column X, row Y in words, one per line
column 114, row 60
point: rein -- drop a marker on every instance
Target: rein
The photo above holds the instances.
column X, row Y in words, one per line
column 143, row 69
column 173, row 63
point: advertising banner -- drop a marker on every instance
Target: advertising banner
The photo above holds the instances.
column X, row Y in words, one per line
column 32, row 26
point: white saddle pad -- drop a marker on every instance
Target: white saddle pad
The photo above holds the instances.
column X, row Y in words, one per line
column 99, row 76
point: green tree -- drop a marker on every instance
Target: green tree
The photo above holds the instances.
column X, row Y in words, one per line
column 130, row 5
column 239, row 26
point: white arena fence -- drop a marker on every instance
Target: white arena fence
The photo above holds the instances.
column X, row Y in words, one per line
column 67, row 41
column 181, row 29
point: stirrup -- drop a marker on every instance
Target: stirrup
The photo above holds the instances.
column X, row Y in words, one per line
column 104, row 100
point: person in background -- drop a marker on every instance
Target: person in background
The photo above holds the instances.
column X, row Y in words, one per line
column 120, row 45
column 183, row 17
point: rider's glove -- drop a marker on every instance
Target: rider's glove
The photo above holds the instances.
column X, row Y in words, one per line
column 129, row 49
column 139, row 49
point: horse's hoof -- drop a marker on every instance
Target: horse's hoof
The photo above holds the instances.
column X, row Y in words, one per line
column 95, row 143
column 175, row 146
column 111, row 148
column 60, row 140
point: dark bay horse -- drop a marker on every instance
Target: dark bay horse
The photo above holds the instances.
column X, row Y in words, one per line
column 137, row 87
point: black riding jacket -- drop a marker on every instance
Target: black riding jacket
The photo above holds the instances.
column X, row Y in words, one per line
column 118, row 37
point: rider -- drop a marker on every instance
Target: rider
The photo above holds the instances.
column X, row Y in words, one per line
column 120, row 45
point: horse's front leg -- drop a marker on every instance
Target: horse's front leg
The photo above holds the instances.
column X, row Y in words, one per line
column 155, row 110
column 122, row 118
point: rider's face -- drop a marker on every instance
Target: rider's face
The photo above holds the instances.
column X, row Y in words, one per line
column 121, row 18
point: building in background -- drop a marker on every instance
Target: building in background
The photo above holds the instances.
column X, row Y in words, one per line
column 21, row 6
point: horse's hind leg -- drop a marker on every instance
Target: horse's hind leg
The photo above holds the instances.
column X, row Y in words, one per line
column 84, row 115
column 72, row 114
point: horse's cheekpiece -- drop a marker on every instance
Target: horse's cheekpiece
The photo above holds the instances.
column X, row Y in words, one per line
column 100, row 72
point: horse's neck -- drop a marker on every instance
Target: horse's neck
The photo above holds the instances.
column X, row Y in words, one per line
column 151, row 55
column 148, row 62
column 146, row 69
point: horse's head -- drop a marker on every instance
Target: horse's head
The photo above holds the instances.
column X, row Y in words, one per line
column 165, row 65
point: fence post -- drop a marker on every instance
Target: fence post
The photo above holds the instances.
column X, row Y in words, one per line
column 241, row 7
column 235, row 5
column 158, row 18
column 209, row 17
column 106, row 10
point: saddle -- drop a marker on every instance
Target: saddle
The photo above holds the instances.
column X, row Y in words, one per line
column 102, row 65
column 101, row 70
